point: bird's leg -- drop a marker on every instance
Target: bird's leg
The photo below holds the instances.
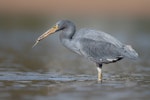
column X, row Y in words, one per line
column 99, row 69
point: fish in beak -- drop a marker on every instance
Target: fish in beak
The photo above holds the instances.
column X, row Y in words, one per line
column 44, row 35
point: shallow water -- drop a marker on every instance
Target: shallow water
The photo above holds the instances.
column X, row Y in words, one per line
column 38, row 86
column 51, row 72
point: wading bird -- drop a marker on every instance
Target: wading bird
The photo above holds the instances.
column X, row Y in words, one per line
column 97, row 46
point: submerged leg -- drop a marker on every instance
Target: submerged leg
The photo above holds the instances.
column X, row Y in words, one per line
column 99, row 69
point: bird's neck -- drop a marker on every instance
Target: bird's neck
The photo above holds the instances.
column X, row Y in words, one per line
column 66, row 36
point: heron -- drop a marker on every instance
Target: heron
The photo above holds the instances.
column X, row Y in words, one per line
column 97, row 46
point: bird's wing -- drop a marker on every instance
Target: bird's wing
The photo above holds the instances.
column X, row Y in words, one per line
column 99, row 51
column 102, row 47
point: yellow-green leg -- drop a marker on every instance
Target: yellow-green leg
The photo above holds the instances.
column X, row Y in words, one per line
column 99, row 70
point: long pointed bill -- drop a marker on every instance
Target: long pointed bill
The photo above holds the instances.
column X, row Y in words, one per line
column 44, row 35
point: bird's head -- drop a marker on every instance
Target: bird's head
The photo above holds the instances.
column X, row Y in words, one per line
column 60, row 25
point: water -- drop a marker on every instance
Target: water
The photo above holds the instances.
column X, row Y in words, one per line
column 38, row 86
column 51, row 72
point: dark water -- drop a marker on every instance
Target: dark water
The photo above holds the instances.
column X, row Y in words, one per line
column 51, row 72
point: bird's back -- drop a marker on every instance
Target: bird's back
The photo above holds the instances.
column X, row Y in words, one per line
column 97, row 36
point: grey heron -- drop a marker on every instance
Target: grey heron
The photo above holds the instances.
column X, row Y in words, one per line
column 97, row 46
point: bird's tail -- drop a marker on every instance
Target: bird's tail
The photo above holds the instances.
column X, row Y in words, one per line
column 130, row 52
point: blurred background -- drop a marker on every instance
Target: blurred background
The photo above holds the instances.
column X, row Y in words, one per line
column 21, row 22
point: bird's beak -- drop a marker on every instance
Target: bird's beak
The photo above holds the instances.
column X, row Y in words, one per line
column 44, row 35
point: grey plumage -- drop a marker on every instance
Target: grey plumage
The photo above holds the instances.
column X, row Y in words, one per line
column 95, row 45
